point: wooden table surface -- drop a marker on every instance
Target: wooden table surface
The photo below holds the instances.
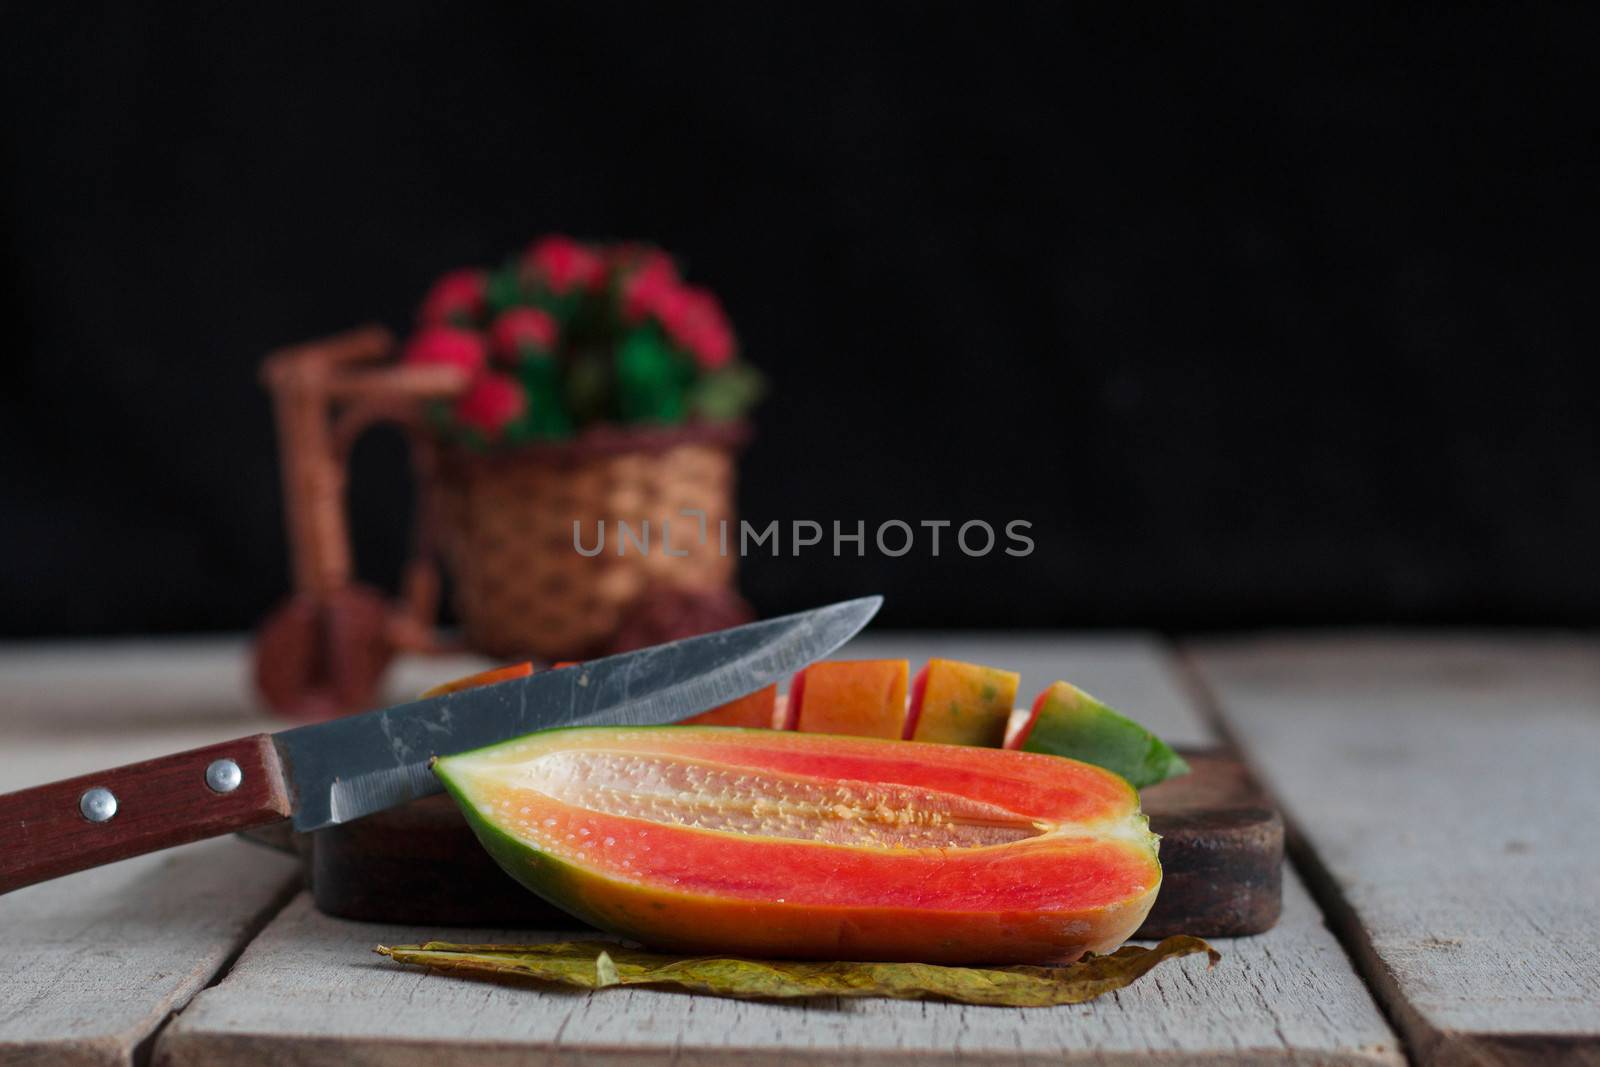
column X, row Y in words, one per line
column 1444, row 905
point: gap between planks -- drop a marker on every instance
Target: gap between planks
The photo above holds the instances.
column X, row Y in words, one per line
column 144, row 1051
column 97, row 962
column 1436, row 728
column 1340, row 917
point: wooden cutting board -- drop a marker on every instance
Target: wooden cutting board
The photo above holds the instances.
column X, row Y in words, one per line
column 419, row 865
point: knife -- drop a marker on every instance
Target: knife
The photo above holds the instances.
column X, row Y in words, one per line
column 332, row 772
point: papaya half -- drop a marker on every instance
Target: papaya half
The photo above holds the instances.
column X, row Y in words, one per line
column 700, row 839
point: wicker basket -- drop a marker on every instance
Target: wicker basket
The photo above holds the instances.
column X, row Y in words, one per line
column 505, row 528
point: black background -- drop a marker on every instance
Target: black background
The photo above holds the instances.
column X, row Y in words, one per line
column 1259, row 317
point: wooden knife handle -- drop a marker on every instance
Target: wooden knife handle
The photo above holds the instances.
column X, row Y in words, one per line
column 83, row 822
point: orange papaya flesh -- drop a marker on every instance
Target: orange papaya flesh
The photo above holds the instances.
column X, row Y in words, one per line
column 697, row 839
column 955, row 703
column 863, row 698
column 752, row 710
column 472, row 681
column 755, row 710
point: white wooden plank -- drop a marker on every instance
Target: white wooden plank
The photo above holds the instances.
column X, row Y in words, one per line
column 1131, row 672
column 95, row 962
column 135, row 685
column 65, row 687
column 1447, row 787
column 308, row 990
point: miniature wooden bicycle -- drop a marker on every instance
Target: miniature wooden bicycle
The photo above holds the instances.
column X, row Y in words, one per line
column 501, row 523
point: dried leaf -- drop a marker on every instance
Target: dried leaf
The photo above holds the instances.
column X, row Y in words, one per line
column 597, row 964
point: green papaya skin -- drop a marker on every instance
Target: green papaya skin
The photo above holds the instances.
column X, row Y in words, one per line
column 539, row 872
column 1066, row 721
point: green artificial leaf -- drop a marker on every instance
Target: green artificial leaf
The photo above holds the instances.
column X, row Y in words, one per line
column 652, row 380
column 598, row 964
column 727, row 393
column 567, row 307
column 547, row 412
column 505, row 289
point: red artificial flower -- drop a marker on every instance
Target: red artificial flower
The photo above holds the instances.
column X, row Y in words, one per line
column 635, row 255
column 493, row 402
column 694, row 320
column 564, row 264
column 518, row 330
column 449, row 346
column 459, row 294
column 652, row 288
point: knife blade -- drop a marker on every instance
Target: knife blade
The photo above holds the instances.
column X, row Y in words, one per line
column 351, row 767
column 332, row 772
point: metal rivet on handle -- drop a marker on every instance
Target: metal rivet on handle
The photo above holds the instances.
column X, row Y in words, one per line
column 97, row 804
column 223, row 776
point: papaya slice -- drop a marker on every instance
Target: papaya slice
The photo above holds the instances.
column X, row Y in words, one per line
column 955, row 703
column 755, row 710
column 1066, row 721
column 702, row 839
column 472, row 681
column 863, row 698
